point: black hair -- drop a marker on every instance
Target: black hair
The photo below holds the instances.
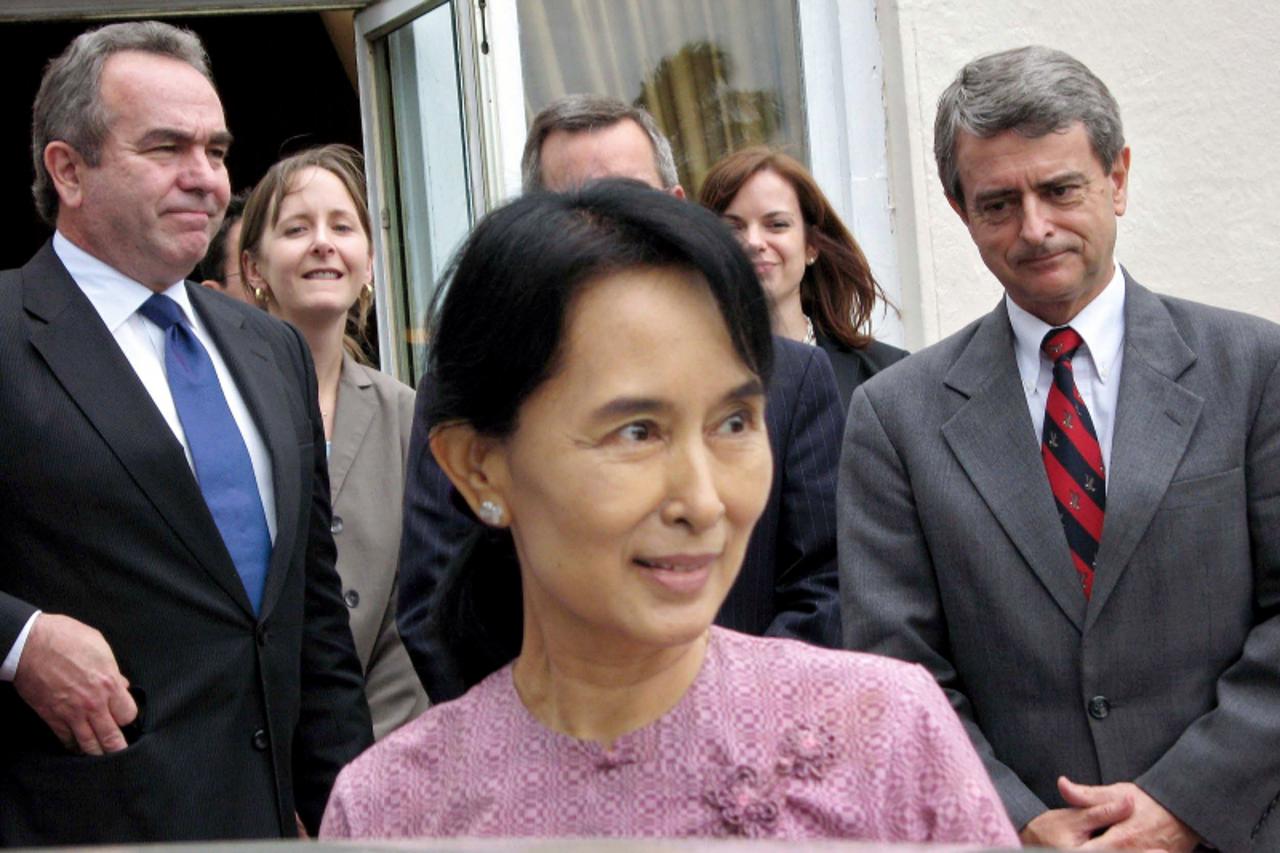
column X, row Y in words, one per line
column 497, row 326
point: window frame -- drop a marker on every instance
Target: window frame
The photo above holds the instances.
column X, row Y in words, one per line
column 841, row 64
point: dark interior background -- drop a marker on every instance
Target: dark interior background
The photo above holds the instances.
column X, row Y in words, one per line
column 282, row 83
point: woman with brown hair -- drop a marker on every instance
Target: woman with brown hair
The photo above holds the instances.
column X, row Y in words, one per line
column 306, row 254
column 819, row 282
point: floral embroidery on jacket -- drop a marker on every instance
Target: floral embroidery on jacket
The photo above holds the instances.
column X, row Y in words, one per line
column 749, row 802
column 746, row 805
column 807, row 752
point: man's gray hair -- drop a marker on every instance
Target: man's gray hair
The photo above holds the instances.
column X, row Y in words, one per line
column 579, row 113
column 68, row 106
column 1032, row 91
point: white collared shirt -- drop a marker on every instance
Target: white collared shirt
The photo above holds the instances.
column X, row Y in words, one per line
column 1096, row 365
column 117, row 298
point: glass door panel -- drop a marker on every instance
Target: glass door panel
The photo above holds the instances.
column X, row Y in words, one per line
column 427, row 172
column 718, row 75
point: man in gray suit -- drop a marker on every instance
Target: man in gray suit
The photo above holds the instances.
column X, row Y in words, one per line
column 1069, row 511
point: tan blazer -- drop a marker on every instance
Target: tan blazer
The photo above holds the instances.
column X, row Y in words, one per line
column 366, row 481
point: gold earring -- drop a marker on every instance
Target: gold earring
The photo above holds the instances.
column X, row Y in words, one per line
column 368, row 289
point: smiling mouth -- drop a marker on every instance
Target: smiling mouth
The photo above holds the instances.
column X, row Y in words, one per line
column 680, row 564
column 322, row 275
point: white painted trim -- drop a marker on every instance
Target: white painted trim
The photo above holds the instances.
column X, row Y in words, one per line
column 502, row 75
column 911, row 171
column 845, row 120
column 474, row 100
column 383, row 16
column 367, row 26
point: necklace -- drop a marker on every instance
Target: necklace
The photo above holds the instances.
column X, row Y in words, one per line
column 809, row 337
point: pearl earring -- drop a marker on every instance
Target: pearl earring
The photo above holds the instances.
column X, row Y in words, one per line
column 491, row 513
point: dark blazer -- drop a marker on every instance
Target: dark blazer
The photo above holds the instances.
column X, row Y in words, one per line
column 952, row 555
column 855, row 366
column 245, row 719
column 787, row 586
column 371, row 427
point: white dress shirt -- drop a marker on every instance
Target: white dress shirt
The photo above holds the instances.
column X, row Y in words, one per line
column 1096, row 365
column 117, row 299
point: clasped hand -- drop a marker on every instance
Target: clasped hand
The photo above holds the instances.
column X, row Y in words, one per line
column 1129, row 819
column 69, row 677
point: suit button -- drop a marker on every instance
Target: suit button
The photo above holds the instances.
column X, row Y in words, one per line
column 1099, row 707
column 260, row 742
column 335, row 526
column 352, row 598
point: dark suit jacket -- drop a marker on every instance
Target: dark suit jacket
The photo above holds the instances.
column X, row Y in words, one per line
column 787, row 586
column 952, row 555
column 245, row 718
column 855, row 366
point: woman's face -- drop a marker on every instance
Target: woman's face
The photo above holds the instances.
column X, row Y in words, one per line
column 316, row 257
column 636, row 472
column 765, row 216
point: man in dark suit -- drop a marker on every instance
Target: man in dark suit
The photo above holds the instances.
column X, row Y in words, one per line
column 787, row 586
column 1069, row 511
column 176, row 657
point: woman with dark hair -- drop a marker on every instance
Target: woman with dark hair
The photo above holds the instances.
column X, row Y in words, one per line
column 599, row 361
column 819, row 282
column 306, row 255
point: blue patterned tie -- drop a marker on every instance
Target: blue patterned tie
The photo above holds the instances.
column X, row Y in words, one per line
column 221, row 459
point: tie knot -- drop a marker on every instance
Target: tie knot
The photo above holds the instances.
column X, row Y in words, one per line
column 1061, row 343
column 162, row 311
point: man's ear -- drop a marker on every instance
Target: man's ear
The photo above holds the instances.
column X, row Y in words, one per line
column 958, row 207
column 1119, row 178
column 66, row 168
column 475, row 464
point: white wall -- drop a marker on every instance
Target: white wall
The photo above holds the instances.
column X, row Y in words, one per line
column 1199, row 90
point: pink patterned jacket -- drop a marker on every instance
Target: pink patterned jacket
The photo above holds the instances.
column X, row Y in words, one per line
column 774, row 739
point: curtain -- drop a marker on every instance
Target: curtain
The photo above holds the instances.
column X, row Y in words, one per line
column 718, row 75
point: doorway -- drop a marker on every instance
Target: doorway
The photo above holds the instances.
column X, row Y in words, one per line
column 282, row 78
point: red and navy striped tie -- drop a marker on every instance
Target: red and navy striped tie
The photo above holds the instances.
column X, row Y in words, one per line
column 1072, row 457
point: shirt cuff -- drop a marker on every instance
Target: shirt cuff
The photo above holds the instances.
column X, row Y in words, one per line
column 10, row 666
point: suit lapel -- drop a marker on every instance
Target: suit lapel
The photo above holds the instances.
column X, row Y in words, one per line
column 260, row 382
column 87, row 362
column 992, row 438
column 355, row 411
column 1155, row 417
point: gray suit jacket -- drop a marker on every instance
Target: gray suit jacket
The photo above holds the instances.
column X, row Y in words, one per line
column 366, row 479
column 952, row 555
